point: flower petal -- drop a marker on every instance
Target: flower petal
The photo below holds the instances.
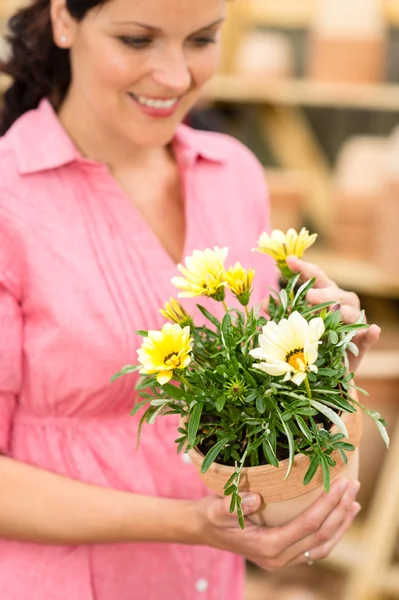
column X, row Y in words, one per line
column 164, row 376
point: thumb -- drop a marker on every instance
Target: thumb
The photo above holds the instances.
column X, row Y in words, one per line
column 250, row 503
column 365, row 339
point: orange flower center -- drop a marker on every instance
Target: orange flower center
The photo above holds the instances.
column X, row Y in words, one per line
column 296, row 359
column 172, row 360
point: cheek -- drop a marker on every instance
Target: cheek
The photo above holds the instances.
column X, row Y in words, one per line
column 204, row 65
column 106, row 66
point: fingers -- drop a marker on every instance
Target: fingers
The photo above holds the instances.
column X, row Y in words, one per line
column 364, row 340
column 323, row 538
column 367, row 338
column 325, row 549
column 334, row 293
column 308, row 270
column 316, row 531
column 312, row 519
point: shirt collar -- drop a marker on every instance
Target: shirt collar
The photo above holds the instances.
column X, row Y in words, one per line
column 41, row 143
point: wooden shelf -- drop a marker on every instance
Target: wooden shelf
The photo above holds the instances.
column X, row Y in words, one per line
column 282, row 13
column 361, row 277
column 293, row 92
column 298, row 14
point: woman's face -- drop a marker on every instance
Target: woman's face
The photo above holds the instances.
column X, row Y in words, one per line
column 138, row 65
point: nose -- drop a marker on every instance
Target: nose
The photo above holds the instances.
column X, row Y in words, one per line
column 172, row 71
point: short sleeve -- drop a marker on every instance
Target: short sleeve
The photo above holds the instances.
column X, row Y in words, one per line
column 10, row 333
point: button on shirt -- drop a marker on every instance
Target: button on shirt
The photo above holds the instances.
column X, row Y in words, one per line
column 80, row 273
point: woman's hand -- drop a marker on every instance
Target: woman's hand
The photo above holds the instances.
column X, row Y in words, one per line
column 316, row 531
column 324, row 290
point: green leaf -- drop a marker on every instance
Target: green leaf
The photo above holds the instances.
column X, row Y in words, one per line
column 284, row 299
column 343, row 456
column 260, row 404
column 213, row 453
column 287, row 415
column 326, row 472
column 142, row 333
column 306, row 411
column 137, row 407
column 229, row 490
column 226, row 332
column 333, row 319
column 232, row 503
column 291, row 285
column 269, row 453
column 220, row 402
column 145, row 382
column 125, row 371
column 338, row 402
column 328, row 372
column 194, row 422
column 174, row 391
column 209, row 316
column 239, row 512
column 230, row 480
column 334, row 337
column 290, row 439
column 330, row 414
column 154, row 415
column 251, row 396
column 302, row 291
column 304, row 428
column 312, row 470
column 383, row 432
column 317, row 308
column 354, row 327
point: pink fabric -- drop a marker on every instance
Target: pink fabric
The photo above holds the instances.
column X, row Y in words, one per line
column 80, row 272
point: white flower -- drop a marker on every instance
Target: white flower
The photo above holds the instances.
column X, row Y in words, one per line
column 289, row 347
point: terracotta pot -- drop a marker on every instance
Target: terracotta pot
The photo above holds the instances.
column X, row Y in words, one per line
column 284, row 499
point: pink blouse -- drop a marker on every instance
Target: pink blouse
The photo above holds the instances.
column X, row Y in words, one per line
column 80, row 273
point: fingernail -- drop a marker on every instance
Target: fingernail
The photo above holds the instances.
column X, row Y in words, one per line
column 356, row 508
column 249, row 500
column 355, row 487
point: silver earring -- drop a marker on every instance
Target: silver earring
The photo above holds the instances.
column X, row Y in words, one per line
column 63, row 39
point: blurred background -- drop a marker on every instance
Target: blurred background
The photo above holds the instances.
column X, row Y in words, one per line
column 311, row 86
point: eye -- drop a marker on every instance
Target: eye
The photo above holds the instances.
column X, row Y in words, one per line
column 135, row 42
column 203, row 41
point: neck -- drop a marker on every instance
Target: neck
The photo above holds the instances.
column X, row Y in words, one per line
column 96, row 141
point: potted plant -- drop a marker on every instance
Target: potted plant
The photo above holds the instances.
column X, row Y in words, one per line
column 267, row 401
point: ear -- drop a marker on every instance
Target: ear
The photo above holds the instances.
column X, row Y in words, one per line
column 64, row 25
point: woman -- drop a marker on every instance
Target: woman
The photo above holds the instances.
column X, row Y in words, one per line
column 102, row 193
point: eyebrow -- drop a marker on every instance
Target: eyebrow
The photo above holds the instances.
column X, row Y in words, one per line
column 158, row 29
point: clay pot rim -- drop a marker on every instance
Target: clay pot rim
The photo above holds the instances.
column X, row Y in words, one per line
column 298, row 458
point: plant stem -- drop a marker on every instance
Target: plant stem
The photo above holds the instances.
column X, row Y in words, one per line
column 185, row 382
column 246, row 311
column 226, row 308
column 308, row 388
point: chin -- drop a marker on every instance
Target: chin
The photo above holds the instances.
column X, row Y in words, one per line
column 153, row 136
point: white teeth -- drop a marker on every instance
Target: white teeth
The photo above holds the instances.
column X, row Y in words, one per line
column 156, row 103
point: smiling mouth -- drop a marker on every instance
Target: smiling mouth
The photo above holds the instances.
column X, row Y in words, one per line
column 157, row 103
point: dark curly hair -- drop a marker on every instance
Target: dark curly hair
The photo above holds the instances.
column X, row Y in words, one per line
column 36, row 65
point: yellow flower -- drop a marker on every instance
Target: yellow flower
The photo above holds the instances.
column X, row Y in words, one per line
column 289, row 347
column 164, row 351
column 204, row 274
column 175, row 312
column 280, row 245
column 239, row 281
